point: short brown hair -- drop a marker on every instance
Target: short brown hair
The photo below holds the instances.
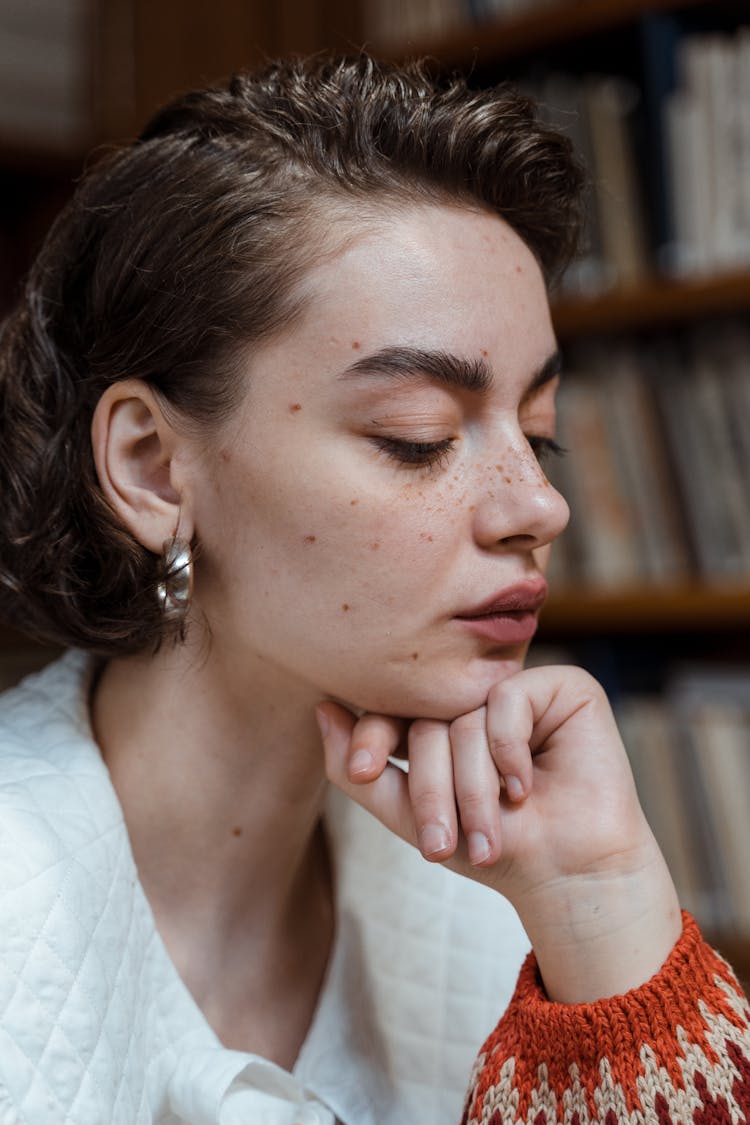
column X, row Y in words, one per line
column 182, row 249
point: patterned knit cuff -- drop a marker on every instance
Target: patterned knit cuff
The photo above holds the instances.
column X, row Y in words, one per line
column 678, row 1043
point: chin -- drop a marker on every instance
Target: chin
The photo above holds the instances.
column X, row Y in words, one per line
column 443, row 695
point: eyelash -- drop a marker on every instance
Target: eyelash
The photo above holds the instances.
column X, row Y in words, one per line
column 545, row 448
column 432, row 454
column 420, row 454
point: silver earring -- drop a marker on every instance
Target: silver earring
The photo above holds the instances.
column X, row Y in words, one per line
column 175, row 588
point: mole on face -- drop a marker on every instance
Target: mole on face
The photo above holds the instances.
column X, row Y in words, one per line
column 424, row 536
column 237, row 831
column 346, row 607
column 356, row 345
column 353, row 502
column 485, row 353
column 295, row 407
column 375, row 546
column 310, row 538
column 415, row 656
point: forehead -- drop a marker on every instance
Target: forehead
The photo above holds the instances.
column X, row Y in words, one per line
column 444, row 272
column 432, row 279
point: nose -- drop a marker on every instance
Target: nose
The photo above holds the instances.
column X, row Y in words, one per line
column 517, row 506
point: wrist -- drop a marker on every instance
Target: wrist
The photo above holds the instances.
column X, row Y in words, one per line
column 602, row 934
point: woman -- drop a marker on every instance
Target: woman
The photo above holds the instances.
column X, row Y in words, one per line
column 278, row 392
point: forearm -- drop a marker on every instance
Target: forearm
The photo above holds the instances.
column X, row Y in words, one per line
column 675, row 1049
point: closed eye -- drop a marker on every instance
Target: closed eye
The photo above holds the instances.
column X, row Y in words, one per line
column 420, row 454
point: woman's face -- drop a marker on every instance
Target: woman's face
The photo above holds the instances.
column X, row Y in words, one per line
column 379, row 481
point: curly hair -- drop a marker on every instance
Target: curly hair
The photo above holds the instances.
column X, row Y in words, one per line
column 183, row 249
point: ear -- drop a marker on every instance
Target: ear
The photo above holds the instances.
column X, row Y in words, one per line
column 136, row 456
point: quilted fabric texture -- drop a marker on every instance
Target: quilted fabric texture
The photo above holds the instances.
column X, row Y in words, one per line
column 96, row 1027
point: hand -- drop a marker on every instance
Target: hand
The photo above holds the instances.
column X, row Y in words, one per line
column 566, row 842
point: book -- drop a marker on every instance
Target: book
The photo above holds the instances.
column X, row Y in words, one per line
column 46, row 72
column 723, row 759
column 712, row 536
column 634, row 432
column 602, row 518
column 649, row 738
column 609, row 104
column 706, row 130
column 561, row 105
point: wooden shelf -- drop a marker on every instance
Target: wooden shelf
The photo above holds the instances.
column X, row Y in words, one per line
column 656, row 609
column 548, row 26
column 659, row 302
column 51, row 163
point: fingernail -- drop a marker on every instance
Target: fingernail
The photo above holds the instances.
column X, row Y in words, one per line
column 323, row 723
column 514, row 788
column 361, row 762
column 433, row 838
column 479, row 847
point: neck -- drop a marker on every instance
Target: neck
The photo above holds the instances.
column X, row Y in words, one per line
column 221, row 781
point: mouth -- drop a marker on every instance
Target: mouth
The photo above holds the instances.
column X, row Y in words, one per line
column 510, row 615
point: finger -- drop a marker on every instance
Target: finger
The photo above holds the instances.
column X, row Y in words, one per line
column 431, row 789
column 373, row 740
column 387, row 797
column 510, row 723
column 477, row 787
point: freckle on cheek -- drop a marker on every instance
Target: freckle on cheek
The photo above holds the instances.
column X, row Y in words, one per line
column 375, row 546
column 353, row 502
column 356, row 345
column 424, row 536
column 415, row 656
column 346, row 607
column 310, row 538
column 225, row 455
column 508, row 480
column 295, row 407
column 236, row 831
column 472, row 507
column 485, row 353
column 499, row 468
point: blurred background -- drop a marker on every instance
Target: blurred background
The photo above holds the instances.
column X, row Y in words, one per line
column 652, row 580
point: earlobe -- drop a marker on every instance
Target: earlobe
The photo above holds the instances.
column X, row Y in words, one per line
column 134, row 452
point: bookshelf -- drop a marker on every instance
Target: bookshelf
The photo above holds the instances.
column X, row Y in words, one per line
column 666, row 609
column 659, row 302
column 549, row 26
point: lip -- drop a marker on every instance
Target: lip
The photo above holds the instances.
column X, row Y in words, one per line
column 509, row 616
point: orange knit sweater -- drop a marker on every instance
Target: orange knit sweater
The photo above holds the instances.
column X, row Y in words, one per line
column 675, row 1050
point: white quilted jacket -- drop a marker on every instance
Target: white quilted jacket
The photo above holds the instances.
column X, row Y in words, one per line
column 97, row 1028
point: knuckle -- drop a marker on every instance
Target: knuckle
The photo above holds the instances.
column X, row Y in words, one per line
column 504, row 748
column 504, row 690
column 474, row 806
column 427, row 799
column 423, row 730
column 471, row 723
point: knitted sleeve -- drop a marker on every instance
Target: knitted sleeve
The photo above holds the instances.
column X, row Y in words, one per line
column 675, row 1050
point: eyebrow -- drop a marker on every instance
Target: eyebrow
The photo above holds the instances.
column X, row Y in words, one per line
column 453, row 371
